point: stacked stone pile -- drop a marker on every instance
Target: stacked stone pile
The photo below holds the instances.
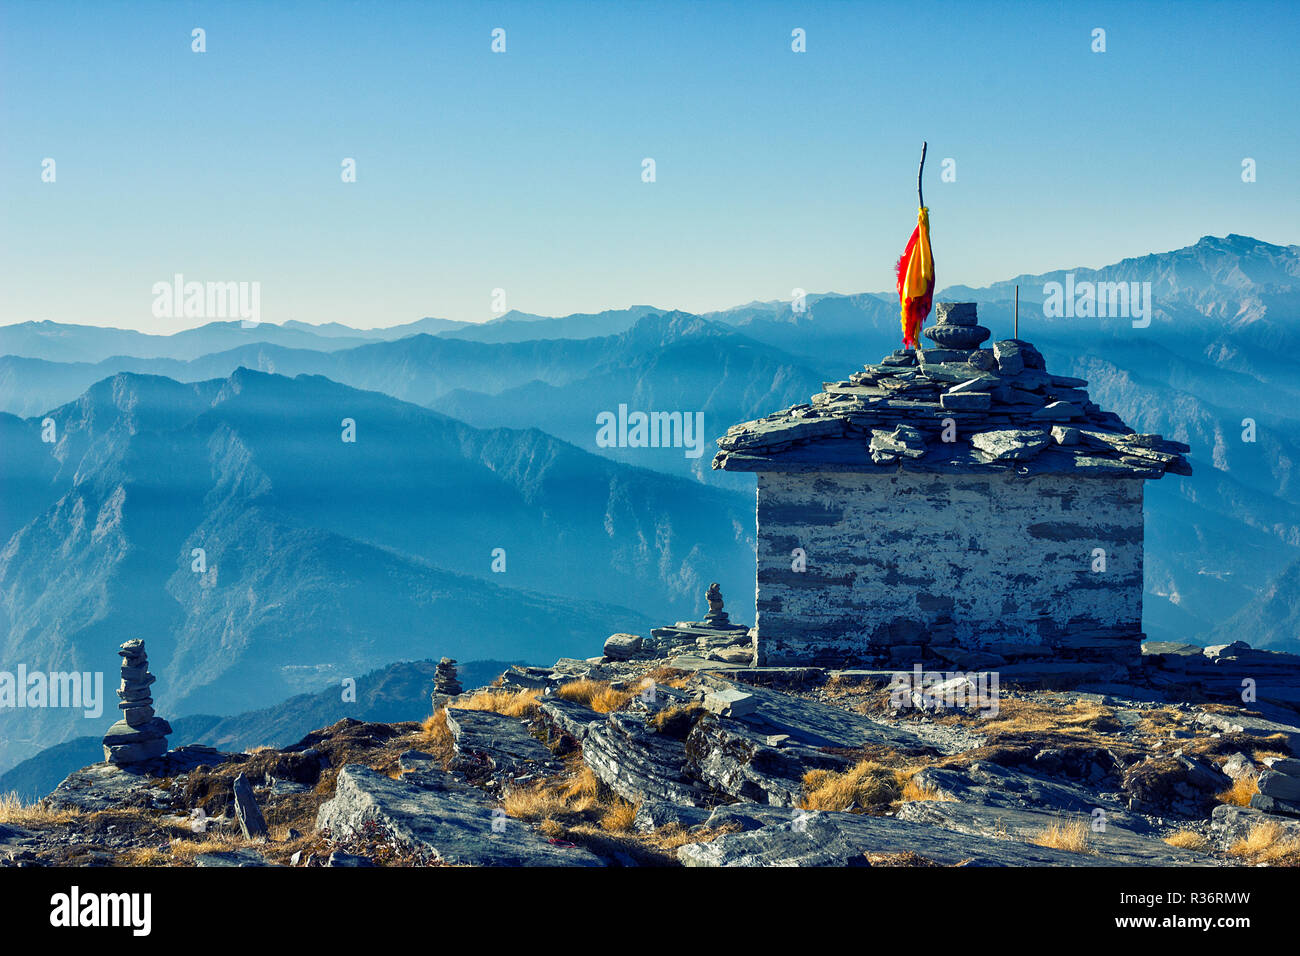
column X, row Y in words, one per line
column 139, row 735
column 714, row 638
column 445, row 680
column 446, row 683
column 1009, row 413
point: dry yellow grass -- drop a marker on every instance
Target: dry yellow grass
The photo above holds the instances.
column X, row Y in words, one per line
column 1267, row 843
column 866, row 785
column 533, row 803
column 669, row 676
column 16, row 813
column 1187, row 840
column 913, row 791
column 210, row 843
column 674, row 835
column 1072, row 835
column 596, row 694
column 435, row 735
column 1239, row 794
column 145, row 856
column 676, row 715
column 557, row 797
column 1038, row 717
column 521, row 703
column 581, row 791
column 618, row 818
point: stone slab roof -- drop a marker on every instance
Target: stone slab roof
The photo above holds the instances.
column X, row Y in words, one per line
column 1010, row 414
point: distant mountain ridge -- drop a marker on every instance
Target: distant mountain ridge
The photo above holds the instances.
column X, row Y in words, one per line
column 316, row 551
column 398, row 692
column 1225, row 321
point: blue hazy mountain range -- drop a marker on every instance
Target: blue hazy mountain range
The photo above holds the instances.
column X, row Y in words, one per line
column 326, row 558
column 1226, row 541
column 396, row 692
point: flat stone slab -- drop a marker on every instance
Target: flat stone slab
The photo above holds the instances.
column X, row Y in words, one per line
column 502, row 741
column 640, row 764
column 1010, row 443
column 763, row 755
column 845, row 839
column 241, row 857
column 434, row 811
column 1116, row 846
column 571, row 717
column 730, row 702
column 992, row 785
column 811, row 723
column 1253, row 726
column 104, row 786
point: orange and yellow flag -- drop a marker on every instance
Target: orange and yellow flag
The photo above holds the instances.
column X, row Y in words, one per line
column 916, row 279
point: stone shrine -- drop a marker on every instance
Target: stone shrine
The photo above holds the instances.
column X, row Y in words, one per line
column 949, row 500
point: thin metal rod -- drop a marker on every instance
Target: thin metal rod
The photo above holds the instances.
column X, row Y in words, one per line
column 920, row 197
column 1017, row 335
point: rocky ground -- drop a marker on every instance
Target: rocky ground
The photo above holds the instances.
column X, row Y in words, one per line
column 687, row 761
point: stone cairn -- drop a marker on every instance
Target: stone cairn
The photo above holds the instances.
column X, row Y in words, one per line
column 139, row 735
column 714, row 638
column 445, row 682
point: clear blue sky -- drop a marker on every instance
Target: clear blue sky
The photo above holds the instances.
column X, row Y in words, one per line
column 523, row 170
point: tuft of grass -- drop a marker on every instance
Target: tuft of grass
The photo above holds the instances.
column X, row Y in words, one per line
column 673, row 835
column 16, row 813
column 1077, row 719
column 562, row 797
column 521, row 703
column 533, row 803
column 187, row 850
column 868, row 784
column 677, row 719
column 596, row 694
column 582, row 791
column 1239, row 794
column 435, row 736
column 1072, row 835
column 913, row 791
column 618, row 818
column 1267, row 842
column 1187, row 840
column 144, row 856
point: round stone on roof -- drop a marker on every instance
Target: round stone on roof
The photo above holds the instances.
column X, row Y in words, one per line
column 957, row 327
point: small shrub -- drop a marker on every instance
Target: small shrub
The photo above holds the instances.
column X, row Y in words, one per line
column 521, row 703
column 1187, row 840
column 1071, row 835
column 596, row 694
column 16, row 813
column 618, row 818
column 1239, row 794
column 866, row 785
column 913, row 791
column 1267, row 842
